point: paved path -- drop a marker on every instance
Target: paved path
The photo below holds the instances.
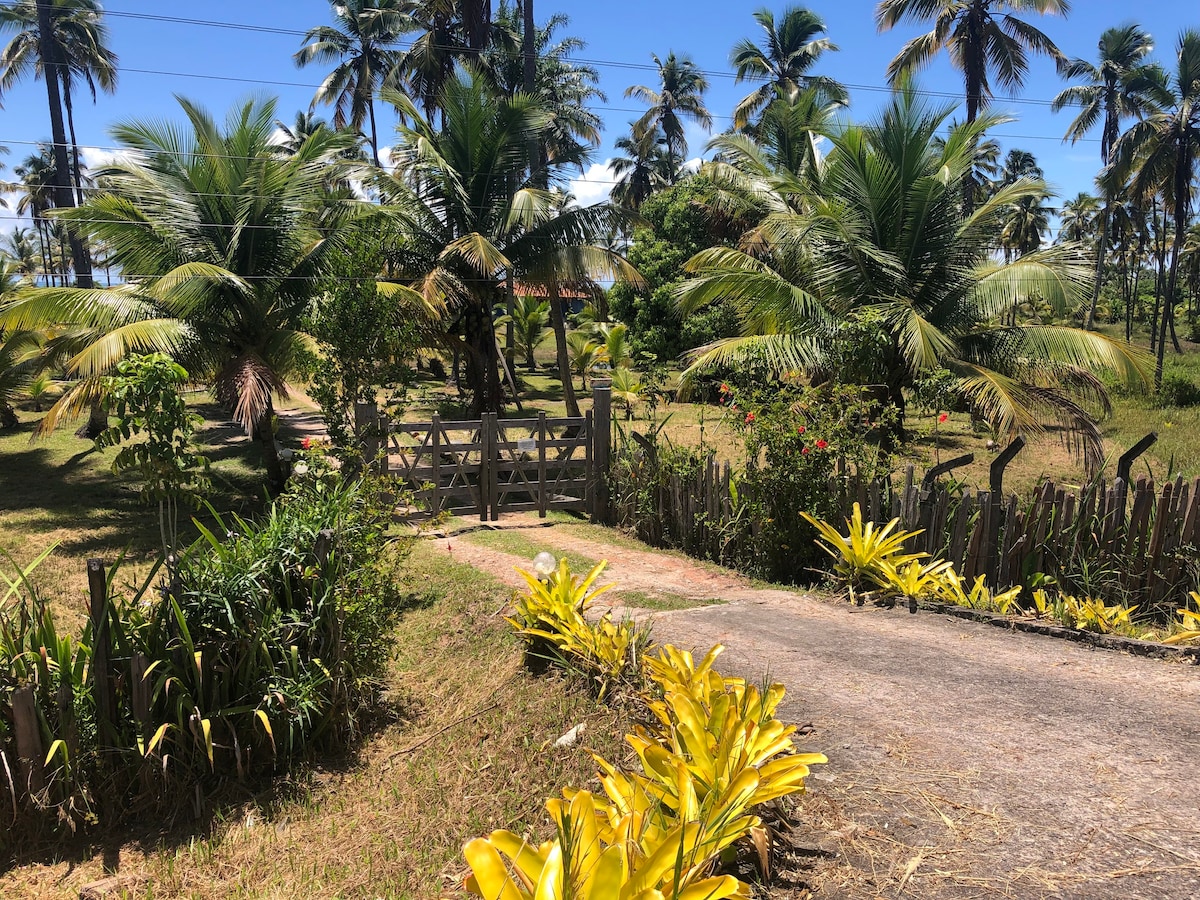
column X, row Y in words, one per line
column 965, row 761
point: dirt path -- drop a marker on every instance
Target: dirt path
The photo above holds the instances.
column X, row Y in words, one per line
column 965, row 761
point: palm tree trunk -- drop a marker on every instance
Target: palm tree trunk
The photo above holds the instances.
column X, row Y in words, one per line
column 1100, row 250
column 64, row 196
column 76, row 168
column 265, row 436
column 559, row 320
column 47, row 265
column 374, row 133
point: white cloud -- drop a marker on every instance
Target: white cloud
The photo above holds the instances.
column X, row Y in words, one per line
column 594, row 185
column 94, row 158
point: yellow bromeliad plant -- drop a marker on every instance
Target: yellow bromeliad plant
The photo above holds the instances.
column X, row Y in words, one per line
column 553, row 612
column 1188, row 626
column 712, row 752
column 864, row 552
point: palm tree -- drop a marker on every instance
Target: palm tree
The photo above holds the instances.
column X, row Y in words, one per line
column 881, row 240
column 680, row 96
column 305, row 125
column 1025, row 224
column 1121, row 85
column 982, row 37
column 586, row 355
column 38, row 178
column 1078, row 220
column 361, row 44
column 1159, row 157
column 531, row 325
column 20, row 357
column 68, row 38
column 471, row 217
column 19, row 247
column 644, row 169
column 222, row 243
column 790, row 49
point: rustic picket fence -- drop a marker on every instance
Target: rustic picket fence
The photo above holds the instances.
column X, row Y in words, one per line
column 1133, row 541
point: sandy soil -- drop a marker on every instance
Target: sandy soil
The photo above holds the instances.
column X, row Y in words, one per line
column 965, row 761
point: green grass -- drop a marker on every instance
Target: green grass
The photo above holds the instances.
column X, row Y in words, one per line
column 658, row 601
column 527, row 544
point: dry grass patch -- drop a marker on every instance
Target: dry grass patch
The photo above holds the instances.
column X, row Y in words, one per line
column 470, row 748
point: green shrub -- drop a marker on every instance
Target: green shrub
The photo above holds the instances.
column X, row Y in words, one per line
column 1177, row 391
column 258, row 645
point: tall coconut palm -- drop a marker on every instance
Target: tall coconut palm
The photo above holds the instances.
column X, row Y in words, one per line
column 19, row 360
column 643, row 169
column 1025, row 224
column 679, row 96
column 1159, row 155
column 361, row 43
column 1078, row 220
column 37, row 180
column 1120, row 85
column 881, row 238
column 222, row 243
column 790, row 49
column 985, row 40
column 68, row 40
column 466, row 230
column 21, row 249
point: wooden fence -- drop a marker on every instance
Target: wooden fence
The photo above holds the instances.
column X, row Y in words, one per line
column 1136, row 541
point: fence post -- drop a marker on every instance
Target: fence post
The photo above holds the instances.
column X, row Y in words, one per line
column 100, row 669
column 601, row 445
column 1121, row 484
column 366, row 426
column 991, row 537
column 30, row 753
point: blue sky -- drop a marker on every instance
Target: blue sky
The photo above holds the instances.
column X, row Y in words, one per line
column 621, row 35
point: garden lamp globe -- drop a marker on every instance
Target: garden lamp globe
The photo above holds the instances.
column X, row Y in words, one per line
column 544, row 565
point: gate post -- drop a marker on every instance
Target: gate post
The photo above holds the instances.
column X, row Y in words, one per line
column 601, row 446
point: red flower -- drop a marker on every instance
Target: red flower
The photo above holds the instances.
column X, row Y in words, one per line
column 804, row 451
column 822, row 444
column 725, row 388
column 306, row 443
column 943, row 417
column 800, row 430
column 749, row 418
column 733, row 406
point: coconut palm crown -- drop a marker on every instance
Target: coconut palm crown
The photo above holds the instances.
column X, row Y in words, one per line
column 877, row 238
column 221, row 242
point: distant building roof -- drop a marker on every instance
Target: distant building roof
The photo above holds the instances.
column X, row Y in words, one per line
column 564, row 292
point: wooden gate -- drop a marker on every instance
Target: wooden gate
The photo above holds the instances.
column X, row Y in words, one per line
column 493, row 465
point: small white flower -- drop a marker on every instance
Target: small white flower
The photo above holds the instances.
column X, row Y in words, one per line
column 301, row 469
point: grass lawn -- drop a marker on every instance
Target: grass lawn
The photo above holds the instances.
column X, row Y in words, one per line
column 468, row 747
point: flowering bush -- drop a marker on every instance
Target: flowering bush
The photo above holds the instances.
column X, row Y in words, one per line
column 801, row 443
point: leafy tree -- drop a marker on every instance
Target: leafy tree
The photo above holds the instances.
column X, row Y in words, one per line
column 790, row 49
column 883, row 233
column 1120, row 85
column 68, row 38
column 586, row 355
column 144, row 397
column 680, row 95
column 223, row 243
column 677, row 227
column 1159, row 155
column 361, row 45
column 20, row 359
column 364, row 341
column 1079, row 218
